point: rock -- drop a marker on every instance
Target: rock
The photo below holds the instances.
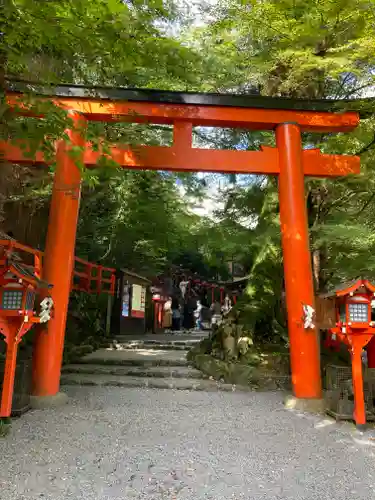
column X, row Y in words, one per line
column 229, row 344
column 251, row 357
column 243, row 344
column 216, row 368
column 242, row 374
column 277, row 362
column 203, row 347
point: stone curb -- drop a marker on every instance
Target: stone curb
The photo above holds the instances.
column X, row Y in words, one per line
column 128, row 346
column 304, row 404
column 135, row 371
column 135, row 362
column 45, row 402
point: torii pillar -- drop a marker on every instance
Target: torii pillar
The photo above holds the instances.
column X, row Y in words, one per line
column 58, row 264
column 304, row 344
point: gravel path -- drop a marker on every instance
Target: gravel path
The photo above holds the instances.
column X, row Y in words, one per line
column 116, row 444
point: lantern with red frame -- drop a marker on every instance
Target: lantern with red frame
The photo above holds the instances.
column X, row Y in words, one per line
column 355, row 328
column 158, row 301
column 18, row 289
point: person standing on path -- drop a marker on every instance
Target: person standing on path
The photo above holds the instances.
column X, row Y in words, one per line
column 198, row 315
column 167, row 318
column 176, row 315
column 216, row 313
column 227, row 306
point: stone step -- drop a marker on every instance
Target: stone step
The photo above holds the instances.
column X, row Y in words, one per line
column 171, row 346
column 166, row 336
column 136, row 357
column 143, row 382
column 178, row 340
column 136, row 371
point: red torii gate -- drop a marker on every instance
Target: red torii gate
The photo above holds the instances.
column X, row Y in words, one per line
column 184, row 111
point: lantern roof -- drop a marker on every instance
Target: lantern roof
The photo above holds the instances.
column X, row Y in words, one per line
column 350, row 287
column 24, row 272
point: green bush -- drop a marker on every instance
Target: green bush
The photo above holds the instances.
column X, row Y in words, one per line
column 85, row 328
column 5, row 426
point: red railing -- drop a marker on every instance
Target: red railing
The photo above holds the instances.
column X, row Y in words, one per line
column 11, row 246
column 93, row 278
column 86, row 277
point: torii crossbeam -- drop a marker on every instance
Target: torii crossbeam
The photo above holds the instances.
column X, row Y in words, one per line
column 288, row 118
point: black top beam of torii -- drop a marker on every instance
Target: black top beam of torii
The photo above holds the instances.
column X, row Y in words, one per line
column 251, row 99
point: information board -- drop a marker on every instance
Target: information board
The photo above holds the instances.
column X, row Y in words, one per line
column 138, row 301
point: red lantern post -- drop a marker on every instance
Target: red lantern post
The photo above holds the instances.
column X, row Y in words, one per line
column 355, row 328
column 158, row 301
column 18, row 288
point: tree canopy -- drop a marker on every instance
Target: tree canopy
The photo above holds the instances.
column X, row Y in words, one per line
column 313, row 49
column 293, row 48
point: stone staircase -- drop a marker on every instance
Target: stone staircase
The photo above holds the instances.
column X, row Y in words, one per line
column 157, row 361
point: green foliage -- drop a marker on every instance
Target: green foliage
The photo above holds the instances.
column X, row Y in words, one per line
column 313, row 49
column 130, row 219
column 295, row 48
column 5, row 427
column 96, row 42
column 85, row 324
column 261, row 309
column 93, row 41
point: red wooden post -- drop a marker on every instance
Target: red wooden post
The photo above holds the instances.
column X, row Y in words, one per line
column 357, row 344
column 160, row 314
column 13, row 331
column 113, row 282
column 59, row 260
column 155, row 316
column 99, row 271
column 37, row 264
column 9, row 374
column 304, row 346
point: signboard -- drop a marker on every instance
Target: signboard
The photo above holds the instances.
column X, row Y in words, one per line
column 325, row 316
column 138, row 301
